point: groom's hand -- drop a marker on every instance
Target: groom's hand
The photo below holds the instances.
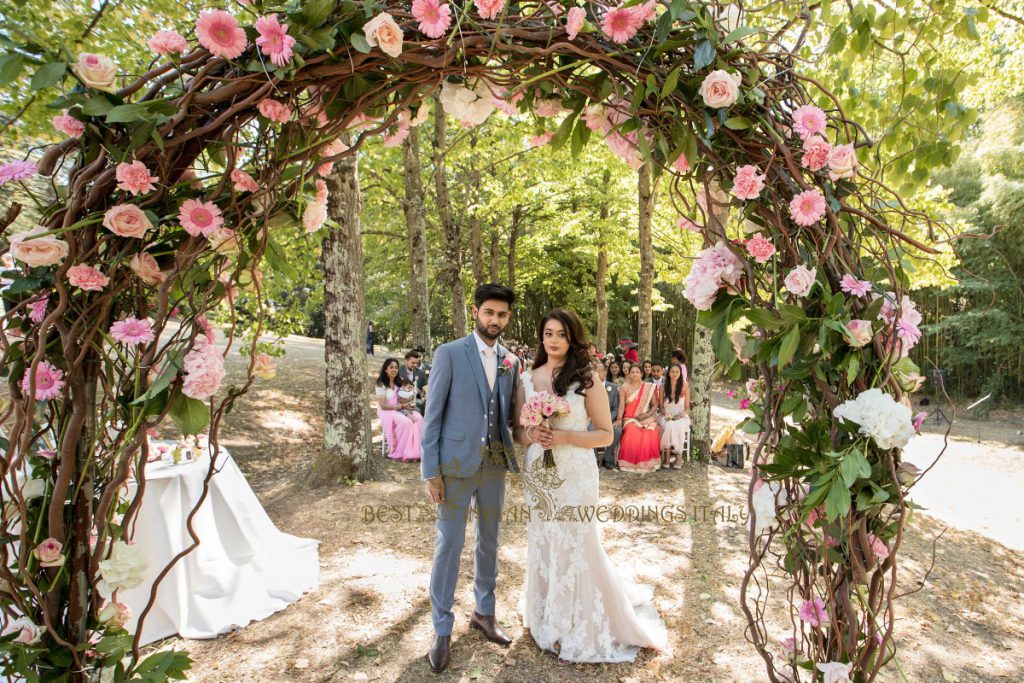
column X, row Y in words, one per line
column 435, row 490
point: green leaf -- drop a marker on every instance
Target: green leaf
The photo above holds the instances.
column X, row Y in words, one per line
column 189, row 414
column 739, row 34
column 561, row 135
column 10, row 67
column 791, row 313
column 97, row 106
column 671, row 82
column 703, row 55
column 580, row 137
column 762, row 317
column 738, row 123
column 359, row 42
column 315, row 12
column 852, row 368
column 48, row 74
column 789, row 344
column 854, row 466
column 837, row 502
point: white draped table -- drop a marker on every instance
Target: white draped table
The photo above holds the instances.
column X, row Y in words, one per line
column 244, row 568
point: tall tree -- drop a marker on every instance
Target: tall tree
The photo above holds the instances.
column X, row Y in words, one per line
column 602, row 267
column 451, row 229
column 347, row 442
column 644, row 298
column 415, row 221
column 513, row 239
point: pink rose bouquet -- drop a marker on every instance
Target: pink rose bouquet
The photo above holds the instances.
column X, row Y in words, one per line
column 538, row 410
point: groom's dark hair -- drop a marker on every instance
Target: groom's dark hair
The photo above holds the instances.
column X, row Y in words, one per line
column 493, row 290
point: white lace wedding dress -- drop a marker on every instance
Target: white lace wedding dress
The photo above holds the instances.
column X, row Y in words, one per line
column 573, row 602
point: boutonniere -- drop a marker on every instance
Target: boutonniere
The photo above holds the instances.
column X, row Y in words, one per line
column 508, row 364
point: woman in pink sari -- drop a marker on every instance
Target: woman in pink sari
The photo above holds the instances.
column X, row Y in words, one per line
column 640, row 447
column 402, row 428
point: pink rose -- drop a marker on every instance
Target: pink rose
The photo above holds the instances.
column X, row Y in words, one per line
column 96, row 71
column 384, row 32
column 87, row 278
column 33, row 250
column 720, row 89
column 842, row 162
column 800, row 280
column 28, row 632
column 859, row 332
column 145, row 267
column 878, row 547
column 114, row 614
column 126, row 220
column 49, row 553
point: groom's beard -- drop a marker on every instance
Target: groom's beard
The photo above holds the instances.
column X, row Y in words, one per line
column 484, row 332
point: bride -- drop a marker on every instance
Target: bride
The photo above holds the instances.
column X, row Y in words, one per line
column 573, row 602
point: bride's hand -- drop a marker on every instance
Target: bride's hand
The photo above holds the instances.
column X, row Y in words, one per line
column 554, row 437
column 541, row 435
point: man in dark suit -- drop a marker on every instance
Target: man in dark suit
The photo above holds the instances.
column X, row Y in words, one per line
column 609, row 457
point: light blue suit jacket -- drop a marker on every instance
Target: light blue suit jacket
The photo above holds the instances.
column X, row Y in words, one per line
column 455, row 422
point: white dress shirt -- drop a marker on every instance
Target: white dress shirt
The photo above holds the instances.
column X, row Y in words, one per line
column 482, row 346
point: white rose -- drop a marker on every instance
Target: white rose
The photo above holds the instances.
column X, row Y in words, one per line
column 28, row 632
column 38, row 251
column 721, row 88
column 800, row 280
column 125, row 568
column 96, row 71
column 835, row 672
column 383, row 31
column 842, row 162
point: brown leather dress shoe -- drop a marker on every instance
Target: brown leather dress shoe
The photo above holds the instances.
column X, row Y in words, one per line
column 489, row 625
column 440, row 653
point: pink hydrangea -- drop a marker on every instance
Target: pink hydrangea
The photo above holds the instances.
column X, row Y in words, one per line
column 434, row 16
column 852, row 285
column 542, row 139
column 748, row 183
column 807, row 208
column 813, row 612
column 49, row 381
column 816, row 151
column 87, row 278
column 574, row 22
column 16, row 170
column 134, row 178
column 200, row 218
column 489, row 9
column 274, row 40
column 167, row 42
column 220, row 33
column 714, row 268
column 132, row 331
column 274, row 110
column 68, row 124
column 621, row 24
column 760, row 248
column 243, row 182
column 204, row 370
column 808, row 120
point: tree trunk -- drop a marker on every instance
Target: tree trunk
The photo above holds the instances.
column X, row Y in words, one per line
column 495, row 270
column 419, row 293
column 452, row 233
column 476, row 248
column 513, row 238
column 347, row 450
column 703, row 360
column 602, row 271
column 645, row 288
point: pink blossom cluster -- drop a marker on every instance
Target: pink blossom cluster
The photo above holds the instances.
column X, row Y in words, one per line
column 907, row 320
column 541, row 406
column 714, row 268
column 204, row 370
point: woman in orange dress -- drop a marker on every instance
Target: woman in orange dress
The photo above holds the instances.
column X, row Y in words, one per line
column 640, row 447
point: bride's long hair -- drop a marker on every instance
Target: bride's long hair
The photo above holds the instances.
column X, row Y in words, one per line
column 577, row 366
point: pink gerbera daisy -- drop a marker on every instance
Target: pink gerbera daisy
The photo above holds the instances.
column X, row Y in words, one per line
column 813, row 612
column 134, row 178
column 199, row 218
column 274, row 39
column 167, row 42
column 49, row 381
column 133, row 331
column 434, row 16
column 621, row 24
column 852, row 285
column 807, row 208
column 16, row 170
column 808, row 120
column 219, row 33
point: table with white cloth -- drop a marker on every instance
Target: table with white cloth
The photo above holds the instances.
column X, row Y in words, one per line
column 243, row 569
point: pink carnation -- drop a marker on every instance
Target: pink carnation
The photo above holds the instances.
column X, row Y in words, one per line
column 760, row 248
column 220, row 33
column 621, row 24
column 748, row 183
column 37, row 309
column 919, row 420
column 714, row 268
column 87, row 278
column 49, row 381
column 321, row 191
column 134, row 178
column 813, row 612
column 243, row 182
column 808, row 120
column 816, row 151
column 574, row 22
column 16, row 170
column 807, row 208
column 489, row 9
column 434, row 16
column 133, row 331
column 167, row 42
column 274, row 40
column 274, row 110
column 199, row 218
column 68, row 124
column 852, row 285
column 744, row 404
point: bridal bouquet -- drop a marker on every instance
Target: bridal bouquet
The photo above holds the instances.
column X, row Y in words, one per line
column 538, row 409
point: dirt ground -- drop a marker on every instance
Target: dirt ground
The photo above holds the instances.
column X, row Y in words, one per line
column 369, row 620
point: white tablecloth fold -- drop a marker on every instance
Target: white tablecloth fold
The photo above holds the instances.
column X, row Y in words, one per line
column 243, row 570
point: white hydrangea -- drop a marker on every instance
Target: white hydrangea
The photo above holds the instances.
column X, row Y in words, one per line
column 469, row 105
column 881, row 417
column 766, row 500
column 126, row 568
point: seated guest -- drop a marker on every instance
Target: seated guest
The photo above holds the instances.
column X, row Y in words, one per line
column 414, row 373
column 638, row 408
column 615, row 372
column 402, row 433
column 678, row 357
column 608, row 457
column 647, row 369
column 675, row 417
column 657, row 373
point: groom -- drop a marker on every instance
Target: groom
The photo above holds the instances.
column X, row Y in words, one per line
column 467, row 448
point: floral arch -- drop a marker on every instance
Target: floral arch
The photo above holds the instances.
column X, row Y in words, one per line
column 264, row 102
